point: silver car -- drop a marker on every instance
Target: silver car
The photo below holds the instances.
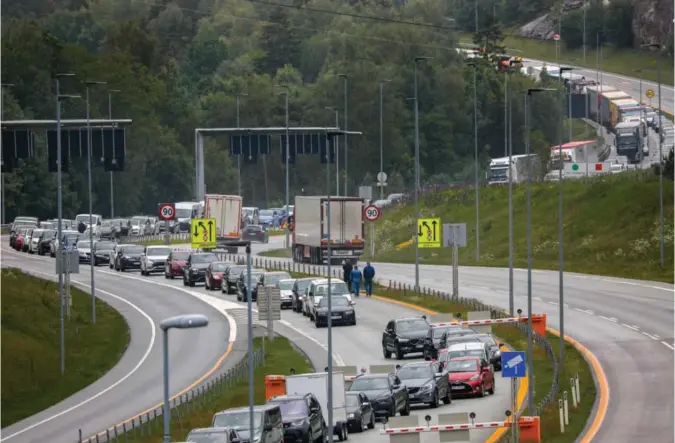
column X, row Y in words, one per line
column 154, row 259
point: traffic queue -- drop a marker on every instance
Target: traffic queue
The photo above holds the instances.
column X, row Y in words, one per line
column 451, row 361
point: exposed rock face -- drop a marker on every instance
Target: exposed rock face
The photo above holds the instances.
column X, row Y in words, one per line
column 541, row 28
column 652, row 21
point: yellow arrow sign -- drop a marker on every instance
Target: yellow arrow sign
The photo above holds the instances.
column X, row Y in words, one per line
column 203, row 233
column 650, row 93
column 429, row 232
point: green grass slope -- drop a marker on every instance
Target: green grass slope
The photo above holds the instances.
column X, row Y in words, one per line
column 31, row 375
column 611, row 227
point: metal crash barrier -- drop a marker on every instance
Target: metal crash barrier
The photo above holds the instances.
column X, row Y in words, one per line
column 456, row 428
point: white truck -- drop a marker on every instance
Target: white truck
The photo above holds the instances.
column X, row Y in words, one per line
column 309, row 225
column 226, row 209
column 500, row 169
column 317, row 385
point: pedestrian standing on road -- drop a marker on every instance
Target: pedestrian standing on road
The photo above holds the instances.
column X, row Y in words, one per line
column 356, row 280
column 368, row 276
column 347, row 273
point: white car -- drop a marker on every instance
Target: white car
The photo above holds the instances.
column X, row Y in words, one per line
column 35, row 240
column 319, row 289
column 154, row 259
column 286, row 289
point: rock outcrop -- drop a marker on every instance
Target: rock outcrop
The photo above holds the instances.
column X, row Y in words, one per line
column 652, row 21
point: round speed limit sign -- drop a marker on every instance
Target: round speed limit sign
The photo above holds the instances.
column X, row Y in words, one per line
column 167, row 211
column 372, row 213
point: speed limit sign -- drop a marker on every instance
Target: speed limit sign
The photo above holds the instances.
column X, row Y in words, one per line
column 167, row 211
column 372, row 213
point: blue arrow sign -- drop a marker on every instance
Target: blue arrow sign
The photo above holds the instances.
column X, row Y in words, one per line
column 514, row 364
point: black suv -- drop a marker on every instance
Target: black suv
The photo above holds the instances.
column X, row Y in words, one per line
column 230, row 278
column 436, row 336
column 404, row 336
column 195, row 267
column 256, row 275
column 45, row 241
column 302, row 417
column 426, row 383
column 129, row 257
column 386, row 393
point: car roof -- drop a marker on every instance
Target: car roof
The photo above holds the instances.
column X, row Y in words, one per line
column 201, row 253
column 324, row 281
column 277, row 273
column 288, row 397
column 284, row 280
column 368, row 376
column 408, row 319
column 256, row 408
column 211, row 430
column 310, row 279
column 466, row 357
column 467, row 345
column 417, row 363
column 157, row 247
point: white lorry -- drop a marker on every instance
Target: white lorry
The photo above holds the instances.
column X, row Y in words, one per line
column 317, row 385
column 226, row 209
column 309, row 225
column 500, row 169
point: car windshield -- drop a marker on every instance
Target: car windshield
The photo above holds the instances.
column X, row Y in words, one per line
column 266, row 213
column 133, row 249
column 183, row 213
column 84, row 218
column 462, row 366
column 412, row 325
column 335, row 301
column 219, row 267
column 335, row 288
column 255, row 273
column 274, row 279
column 106, row 223
column 84, row 244
column 253, row 228
column 207, row 437
column 487, row 339
column 49, row 233
column 352, row 400
column 286, row 285
column 159, row 251
column 204, row 258
column 237, row 420
column 291, row 407
column 439, row 331
column 303, row 284
column 105, row 246
column 180, row 255
column 236, row 270
column 414, row 372
column 464, row 353
column 369, row 384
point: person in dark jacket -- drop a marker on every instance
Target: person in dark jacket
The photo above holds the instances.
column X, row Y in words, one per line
column 368, row 276
column 347, row 273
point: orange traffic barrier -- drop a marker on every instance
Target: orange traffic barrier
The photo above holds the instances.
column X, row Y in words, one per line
column 274, row 385
column 539, row 324
column 529, row 429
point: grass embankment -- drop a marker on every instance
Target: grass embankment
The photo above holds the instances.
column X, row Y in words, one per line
column 280, row 357
column 276, row 253
column 611, row 227
column 619, row 61
column 4, row 231
column 31, row 375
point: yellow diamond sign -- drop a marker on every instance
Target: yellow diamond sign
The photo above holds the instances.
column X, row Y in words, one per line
column 203, row 233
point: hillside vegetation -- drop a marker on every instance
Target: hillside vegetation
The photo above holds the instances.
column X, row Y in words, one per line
column 31, row 374
column 611, row 227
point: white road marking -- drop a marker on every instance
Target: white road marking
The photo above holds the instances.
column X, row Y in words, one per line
column 577, row 309
column 337, row 358
column 634, row 328
column 668, row 345
column 653, row 337
column 117, row 383
column 565, row 305
column 612, row 319
column 589, row 312
column 536, row 298
column 552, row 303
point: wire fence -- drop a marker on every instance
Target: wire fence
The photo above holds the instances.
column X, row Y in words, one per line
column 198, row 399
column 471, row 304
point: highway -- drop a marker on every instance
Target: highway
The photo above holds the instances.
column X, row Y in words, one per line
column 626, row 324
column 630, row 85
column 135, row 383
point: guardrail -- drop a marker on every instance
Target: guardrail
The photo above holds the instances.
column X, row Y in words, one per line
column 471, row 304
column 197, row 399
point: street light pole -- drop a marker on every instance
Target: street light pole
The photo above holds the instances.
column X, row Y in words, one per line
column 238, row 98
column 88, row 85
column 346, row 97
column 475, row 145
column 188, row 321
column 382, row 134
column 337, row 165
column 285, row 94
column 329, row 320
column 2, row 175
column 528, row 193
column 417, row 173
column 112, row 187
column 59, row 211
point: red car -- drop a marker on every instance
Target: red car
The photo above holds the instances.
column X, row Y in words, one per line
column 213, row 279
column 175, row 263
column 18, row 241
column 467, row 378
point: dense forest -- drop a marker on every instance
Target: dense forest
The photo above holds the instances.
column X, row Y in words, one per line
column 179, row 65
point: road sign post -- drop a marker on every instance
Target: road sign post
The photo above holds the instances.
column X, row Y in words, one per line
column 454, row 236
column 514, row 366
column 428, row 232
column 203, row 233
column 381, row 182
column 269, row 308
column 372, row 213
column 167, row 212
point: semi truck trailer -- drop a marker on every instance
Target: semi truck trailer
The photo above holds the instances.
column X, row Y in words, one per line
column 226, row 209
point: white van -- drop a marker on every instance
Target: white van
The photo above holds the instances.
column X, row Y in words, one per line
column 96, row 221
column 185, row 212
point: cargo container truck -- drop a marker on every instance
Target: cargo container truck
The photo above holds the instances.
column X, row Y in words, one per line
column 226, row 209
column 310, row 229
column 629, row 141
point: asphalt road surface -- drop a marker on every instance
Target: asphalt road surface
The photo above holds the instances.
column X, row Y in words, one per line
column 135, row 383
column 630, row 85
column 359, row 346
column 626, row 324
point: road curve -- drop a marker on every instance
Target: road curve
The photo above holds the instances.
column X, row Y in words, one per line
column 626, row 324
column 97, row 406
column 360, row 346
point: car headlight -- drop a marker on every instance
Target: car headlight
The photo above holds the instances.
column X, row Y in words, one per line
column 427, row 387
column 475, row 377
column 298, row 423
column 350, row 416
column 403, row 340
column 350, row 312
column 216, row 277
column 498, row 352
column 149, row 263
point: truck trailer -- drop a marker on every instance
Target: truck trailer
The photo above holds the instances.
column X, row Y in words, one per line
column 309, row 225
column 629, row 141
column 500, row 169
column 317, row 385
column 226, row 209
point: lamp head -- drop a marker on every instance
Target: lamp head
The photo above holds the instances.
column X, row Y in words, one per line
column 187, row 321
column 64, row 74
column 94, row 82
column 531, row 91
